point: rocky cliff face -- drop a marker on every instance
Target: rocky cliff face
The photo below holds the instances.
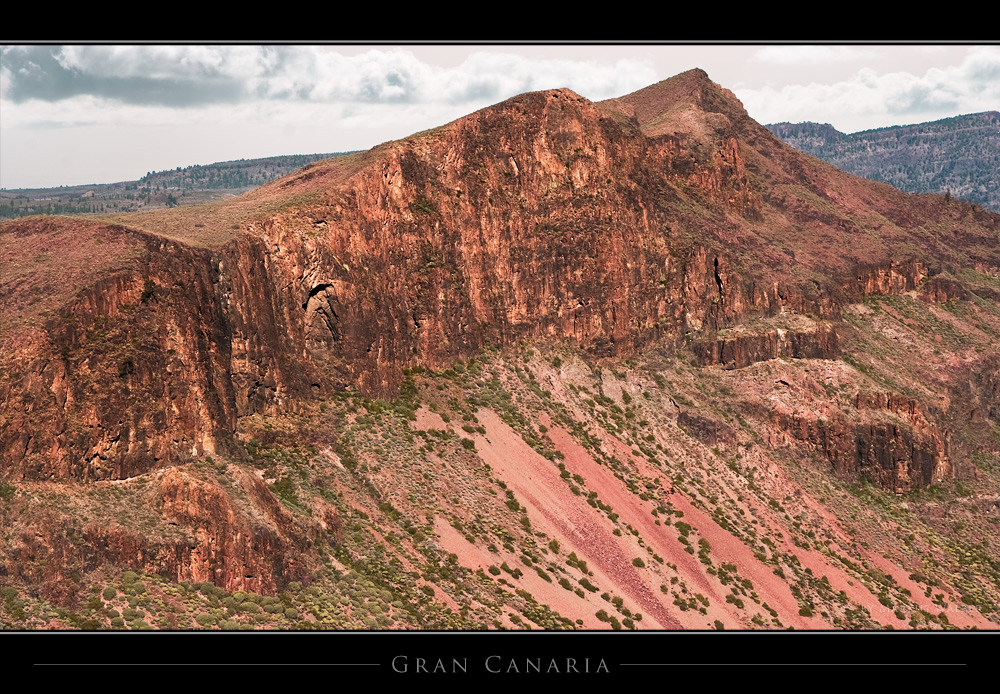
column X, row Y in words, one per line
column 234, row 535
column 135, row 372
column 666, row 220
column 897, row 456
column 412, row 262
column 739, row 350
column 545, row 217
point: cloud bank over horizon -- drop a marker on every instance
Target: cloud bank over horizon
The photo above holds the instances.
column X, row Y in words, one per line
column 192, row 76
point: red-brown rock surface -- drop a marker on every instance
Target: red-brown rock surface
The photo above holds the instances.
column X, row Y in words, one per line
column 664, row 220
column 545, row 217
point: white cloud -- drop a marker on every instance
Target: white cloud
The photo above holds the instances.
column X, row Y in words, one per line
column 290, row 84
column 163, row 62
column 870, row 99
column 811, row 55
column 503, row 75
column 179, row 74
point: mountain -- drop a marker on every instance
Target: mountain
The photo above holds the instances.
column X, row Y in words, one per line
column 556, row 364
column 959, row 156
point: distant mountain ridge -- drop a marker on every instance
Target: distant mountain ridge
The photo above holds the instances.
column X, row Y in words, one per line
column 960, row 155
column 168, row 188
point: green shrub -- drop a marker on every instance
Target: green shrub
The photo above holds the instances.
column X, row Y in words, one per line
column 110, row 593
column 515, row 572
column 284, row 489
column 638, row 562
column 205, row 620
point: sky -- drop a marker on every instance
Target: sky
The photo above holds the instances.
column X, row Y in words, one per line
column 78, row 114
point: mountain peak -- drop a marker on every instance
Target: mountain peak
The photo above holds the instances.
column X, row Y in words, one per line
column 686, row 103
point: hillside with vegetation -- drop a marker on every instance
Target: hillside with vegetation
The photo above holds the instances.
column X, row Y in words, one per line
column 959, row 156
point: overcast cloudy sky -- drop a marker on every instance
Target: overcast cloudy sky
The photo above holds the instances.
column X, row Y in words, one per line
column 96, row 113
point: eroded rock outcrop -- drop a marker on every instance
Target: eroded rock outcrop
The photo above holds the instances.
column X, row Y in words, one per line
column 707, row 430
column 892, row 278
column 940, row 290
column 407, row 262
column 237, row 537
column 740, row 350
column 898, row 454
column 231, row 549
column 135, row 374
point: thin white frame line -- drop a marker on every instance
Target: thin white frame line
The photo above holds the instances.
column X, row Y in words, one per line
column 209, row 664
column 789, row 664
